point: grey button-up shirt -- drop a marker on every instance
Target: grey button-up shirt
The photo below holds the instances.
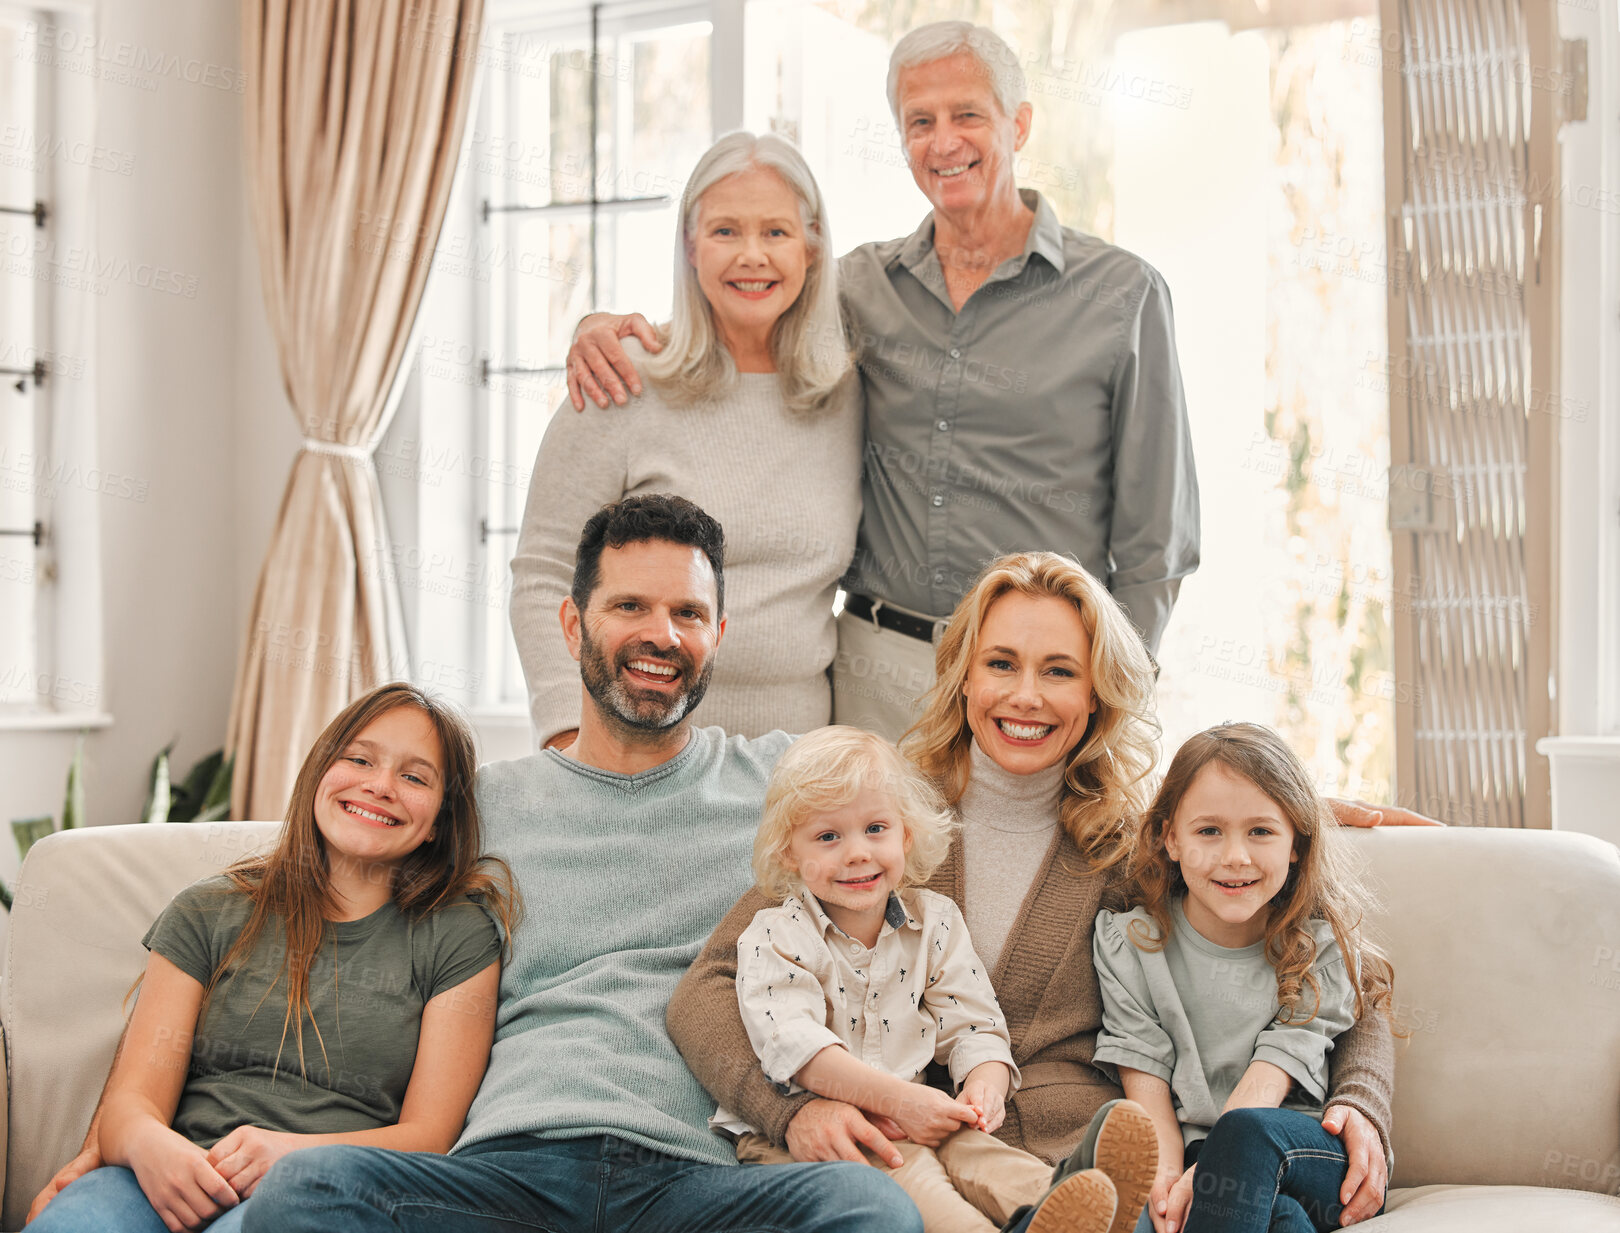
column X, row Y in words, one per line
column 1047, row 414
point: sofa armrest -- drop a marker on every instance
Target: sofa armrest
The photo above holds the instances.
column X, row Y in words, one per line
column 5, row 1106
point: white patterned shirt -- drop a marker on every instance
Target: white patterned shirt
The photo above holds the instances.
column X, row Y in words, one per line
column 920, row 995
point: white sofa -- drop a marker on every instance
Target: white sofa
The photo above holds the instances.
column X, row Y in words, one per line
column 1507, row 954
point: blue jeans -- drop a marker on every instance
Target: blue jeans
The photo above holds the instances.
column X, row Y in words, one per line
column 1264, row 1171
column 110, row 1198
column 587, row 1185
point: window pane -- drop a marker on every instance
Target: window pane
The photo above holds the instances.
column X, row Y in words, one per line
column 652, row 106
column 21, row 467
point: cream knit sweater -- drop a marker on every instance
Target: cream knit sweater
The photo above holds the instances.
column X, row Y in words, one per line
column 786, row 488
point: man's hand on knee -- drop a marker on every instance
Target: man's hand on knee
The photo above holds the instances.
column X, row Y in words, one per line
column 832, row 1130
column 72, row 1171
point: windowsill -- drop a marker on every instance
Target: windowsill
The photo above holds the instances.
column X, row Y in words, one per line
column 504, row 732
column 514, row 714
column 53, row 721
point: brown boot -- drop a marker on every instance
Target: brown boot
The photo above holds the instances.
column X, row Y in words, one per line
column 1128, row 1152
column 1081, row 1203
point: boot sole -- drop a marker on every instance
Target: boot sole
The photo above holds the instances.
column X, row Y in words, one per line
column 1082, row 1203
column 1128, row 1152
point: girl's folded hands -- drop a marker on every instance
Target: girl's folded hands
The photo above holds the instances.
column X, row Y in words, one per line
column 245, row 1155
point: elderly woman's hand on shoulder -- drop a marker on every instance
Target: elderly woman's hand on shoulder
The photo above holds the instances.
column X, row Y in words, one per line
column 597, row 365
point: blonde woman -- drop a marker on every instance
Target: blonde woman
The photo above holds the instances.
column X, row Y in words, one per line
column 752, row 412
column 1041, row 735
column 861, row 979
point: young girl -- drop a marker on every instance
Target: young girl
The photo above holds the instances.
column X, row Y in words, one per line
column 340, row 989
column 1224, row 990
column 860, row 979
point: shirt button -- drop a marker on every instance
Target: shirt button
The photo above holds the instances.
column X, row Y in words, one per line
column 854, row 948
column 956, row 354
column 938, row 500
column 944, row 425
column 939, row 577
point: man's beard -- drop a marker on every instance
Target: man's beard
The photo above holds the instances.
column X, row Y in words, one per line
column 628, row 709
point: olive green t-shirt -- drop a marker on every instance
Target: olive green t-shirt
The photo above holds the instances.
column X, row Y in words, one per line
column 367, row 988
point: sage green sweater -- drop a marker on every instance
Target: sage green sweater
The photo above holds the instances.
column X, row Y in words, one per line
column 623, row 877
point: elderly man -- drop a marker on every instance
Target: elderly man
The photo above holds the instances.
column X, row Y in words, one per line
column 1021, row 385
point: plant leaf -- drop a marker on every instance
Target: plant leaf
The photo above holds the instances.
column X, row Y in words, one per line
column 157, row 796
column 73, row 802
column 187, row 798
column 5, row 895
column 217, row 803
column 30, row 831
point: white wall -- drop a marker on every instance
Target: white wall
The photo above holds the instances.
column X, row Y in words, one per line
column 176, row 377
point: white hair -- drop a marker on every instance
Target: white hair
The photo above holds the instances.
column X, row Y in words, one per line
column 939, row 39
column 808, row 343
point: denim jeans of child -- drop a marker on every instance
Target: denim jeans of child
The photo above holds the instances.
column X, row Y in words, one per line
column 1264, row 1171
column 588, row 1185
column 110, row 1198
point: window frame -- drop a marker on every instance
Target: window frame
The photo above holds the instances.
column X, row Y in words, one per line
column 67, row 665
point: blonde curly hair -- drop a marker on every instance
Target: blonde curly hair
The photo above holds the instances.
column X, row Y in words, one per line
column 1106, row 777
column 828, row 769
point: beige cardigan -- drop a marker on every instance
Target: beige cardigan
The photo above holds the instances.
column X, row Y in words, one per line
column 1047, row 986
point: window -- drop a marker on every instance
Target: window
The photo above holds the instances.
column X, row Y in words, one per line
column 25, row 592
column 50, row 485
column 1246, row 164
column 546, row 226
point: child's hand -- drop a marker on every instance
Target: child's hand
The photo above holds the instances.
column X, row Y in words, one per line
column 928, row 1116
column 245, row 1155
column 985, row 1088
column 1181, row 1194
column 1159, row 1196
column 184, row 1189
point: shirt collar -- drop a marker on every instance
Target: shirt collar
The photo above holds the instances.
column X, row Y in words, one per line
column 1045, row 237
column 895, row 916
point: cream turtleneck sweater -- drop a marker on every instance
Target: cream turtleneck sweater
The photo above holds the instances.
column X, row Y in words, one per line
column 1009, row 824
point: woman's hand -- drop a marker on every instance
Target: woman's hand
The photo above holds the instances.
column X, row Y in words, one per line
column 245, row 1155
column 1359, row 813
column 986, row 1090
column 1178, row 1201
column 596, row 362
column 183, row 1188
column 1368, row 1173
column 89, row 1158
column 929, row 1117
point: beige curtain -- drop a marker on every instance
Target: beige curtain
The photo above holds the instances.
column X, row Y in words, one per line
column 354, row 113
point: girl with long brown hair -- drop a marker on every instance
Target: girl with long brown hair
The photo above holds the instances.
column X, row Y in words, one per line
column 340, row 988
column 1226, row 987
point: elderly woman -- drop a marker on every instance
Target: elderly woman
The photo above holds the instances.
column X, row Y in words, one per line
column 1041, row 734
column 752, row 411
column 1021, row 385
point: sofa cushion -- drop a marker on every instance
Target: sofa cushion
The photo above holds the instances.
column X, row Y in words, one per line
column 1506, row 947
column 83, row 901
column 1496, row 1209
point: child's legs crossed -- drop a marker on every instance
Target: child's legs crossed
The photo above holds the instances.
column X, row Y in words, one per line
column 103, row 1199
column 923, row 1176
column 1252, row 1157
column 993, row 1176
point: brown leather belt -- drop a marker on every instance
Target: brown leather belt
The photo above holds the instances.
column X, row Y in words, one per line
column 868, row 609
